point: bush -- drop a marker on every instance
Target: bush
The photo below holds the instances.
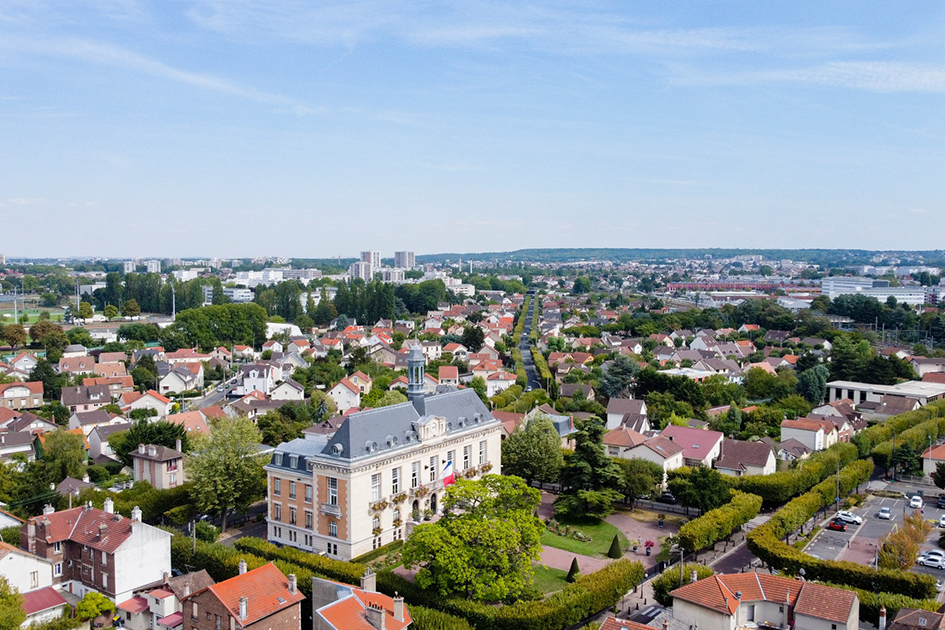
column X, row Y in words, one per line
column 615, row 552
column 66, row 622
column 347, row 572
column 206, row 532
column 11, row 535
column 574, row 572
column 916, row 437
column 716, row 524
column 668, row 580
column 869, row 438
column 374, row 554
column 766, row 542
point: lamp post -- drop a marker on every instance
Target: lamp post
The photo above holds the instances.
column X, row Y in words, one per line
column 929, row 476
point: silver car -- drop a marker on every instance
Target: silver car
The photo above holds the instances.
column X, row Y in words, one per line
column 884, row 513
column 935, row 562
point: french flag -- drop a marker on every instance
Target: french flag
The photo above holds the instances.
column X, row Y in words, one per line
column 448, row 477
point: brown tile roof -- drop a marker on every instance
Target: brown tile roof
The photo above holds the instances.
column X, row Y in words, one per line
column 35, row 387
column 623, row 624
column 622, row 436
column 663, row 447
column 265, row 587
column 912, row 618
column 82, row 525
column 824, row 602
column 736, row 454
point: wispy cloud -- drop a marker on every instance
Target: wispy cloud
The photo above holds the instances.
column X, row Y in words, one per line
column 24, row 201
column 873, row 76
column 122, row 58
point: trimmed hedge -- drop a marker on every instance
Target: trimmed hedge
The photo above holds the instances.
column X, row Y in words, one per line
column 871, row 437
column 668, row 580
column 429, row 619
column 871, row 603
column 780, row 487
column 716, row 524
column 380, row 551
column 338, row 570
column 588, row 595
column 766, row 542
column 917, row 437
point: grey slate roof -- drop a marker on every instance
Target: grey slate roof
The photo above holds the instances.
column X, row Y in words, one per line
column 389, row 429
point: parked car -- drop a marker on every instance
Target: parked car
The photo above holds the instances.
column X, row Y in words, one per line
column 849, row 517
column 667, row 497
column 915, row 502
column 941, row 500
column 837, row 525
column 884, row 513
column 941, row 521
column 934, row 562
column 940, row 585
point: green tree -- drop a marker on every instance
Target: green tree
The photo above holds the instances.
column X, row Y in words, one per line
column 93, row 605
column 484, row 545
column 14, row 334
column 590, row 477
column 473, row 338
column 12, row 614
column 130, row 308
column 305, row 323
column 55, row 342
column 615, row 551
column 638, row 476
column 85, row 310
column 479, row 385
column 42, row 328
column 64, row 455
column 582, row 284
column 111, row 311
column 533, row 451
column 81, row 336
column 52, row 381
column 617, row 381
column 906, row 459
column 700, row 487
column 226, row 469
column 812, row 383
column 390, row 398
column 938, row 477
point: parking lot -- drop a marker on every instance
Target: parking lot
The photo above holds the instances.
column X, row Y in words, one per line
column 858, row 543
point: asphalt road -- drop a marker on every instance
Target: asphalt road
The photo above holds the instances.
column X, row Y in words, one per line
column 525, row 346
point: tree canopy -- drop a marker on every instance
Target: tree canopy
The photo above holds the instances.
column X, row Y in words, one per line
column 533, row 451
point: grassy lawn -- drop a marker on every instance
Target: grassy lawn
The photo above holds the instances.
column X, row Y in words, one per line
column 601, row 534
column 548, row 580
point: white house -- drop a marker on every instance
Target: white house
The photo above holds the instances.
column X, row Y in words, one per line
column 345, row 394
column 499, row 382
column 739, row 458
column 810, row 433
column 700, row 447
column 288, row 390
column 148, row 400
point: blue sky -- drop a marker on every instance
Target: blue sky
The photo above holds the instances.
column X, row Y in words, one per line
column 316, row 129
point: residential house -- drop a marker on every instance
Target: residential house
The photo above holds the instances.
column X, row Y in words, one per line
column 448, row 375
column 810, row 433
column 288, row 390
column 16, row 443
column 345, row 394
column 261, row 599
column 77, row 365
column 700, row 447
column 182, row 376
column 87, row 421
column 195, row 422
column 99, row 449
column 914, row 619
column 273, row 345
column 27, row 422
column 338, row 606
column 82, row 398
column 185, row 355
column 742, row 600
column 160, row 466
column 148, row 400
column 739, row 458
column 117, row 385
column 24, row 362
column 661, row 451
column 19, row 395
column 923, row 365
column 627, row 411
column 243, row 353
column 99, row 550
column 32, row 577
column 498, row 382
column 43, row 605
column 429, row 383
column 257, row 377
column 110, row 370
column 321, row 487
column 793, row 449
column 620, row 441
column 362, row 381
column 75, row 350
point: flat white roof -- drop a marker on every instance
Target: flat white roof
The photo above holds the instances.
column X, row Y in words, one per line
column 908, row 388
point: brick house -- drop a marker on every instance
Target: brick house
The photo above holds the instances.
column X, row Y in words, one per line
column 261, row 599
column 337, row 606
column 99, row 550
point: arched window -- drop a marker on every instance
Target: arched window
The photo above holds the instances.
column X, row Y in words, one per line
column 376, row 523
column 396, row 514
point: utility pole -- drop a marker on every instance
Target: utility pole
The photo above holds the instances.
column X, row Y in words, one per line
column 173, row 303
column 16, row 317
column 838, row 485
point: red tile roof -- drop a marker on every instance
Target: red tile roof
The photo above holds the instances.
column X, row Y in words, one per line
column 623, row 436
column 264, row 586
column 35, row 387
column 824, row 602
column 348, row 613
column 448, row 371
column 135, row 605
column 623, row 624
column 82, row 525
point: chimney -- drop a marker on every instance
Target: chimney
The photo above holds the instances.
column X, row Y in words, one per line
column 186, row 589
column 369, row 581
column 152, row 450
column 375, row 616
column 177, row 446
column 136, row 514
column 292, row 584
column 242, row 567
column 693, row 576
column 244, row 608
column 109, row 506
column 398, row 607
column 665, row 624
column 85, row 478
column 738, row 595
column 141, row 448
column 882, row 618
column 48, row 509
column 102, row 530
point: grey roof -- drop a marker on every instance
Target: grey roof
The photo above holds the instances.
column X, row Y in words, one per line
column 75, row 347
column 82, row 395
column 389, row 429
column 625, row 406
column 303, row 447
column 93, row 417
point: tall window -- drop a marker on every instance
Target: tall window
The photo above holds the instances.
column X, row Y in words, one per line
column 332, row 491
column 467, row 450
column 308, row 520
column 451, row 456
column 395, row 481
column 291, row 489
column 57, row 569
column 333, row 529
column 376, row 523
column 278, row 514
column 482, row 452
column 308, row 493
column 376, row 487
column 433, row 468
column 415, row 474
column 277, row 486
column 292, row 516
